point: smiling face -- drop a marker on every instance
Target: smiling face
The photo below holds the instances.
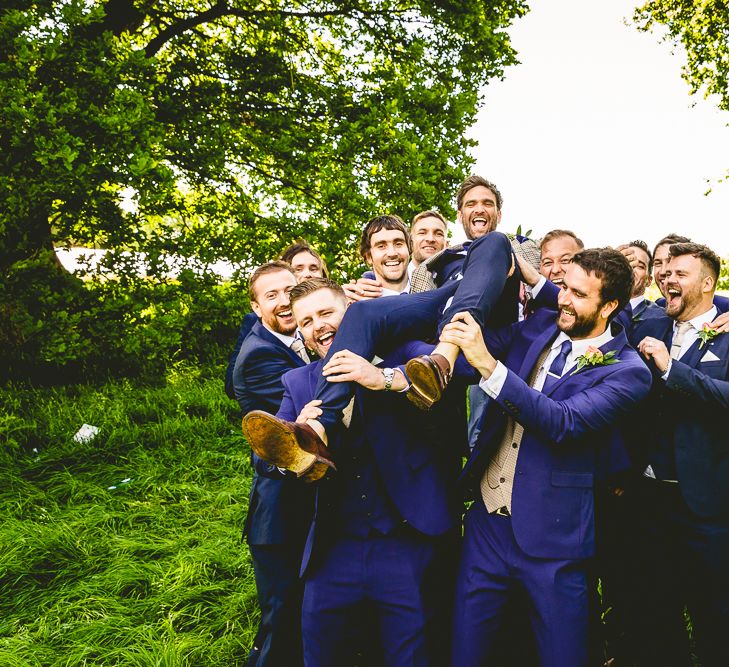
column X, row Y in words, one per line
column 581, row 311
column 429, row 237
column 318, row 316
column 271, row 301
column 660, row 264
column 306, row 266
column 479, row 213
column 556, row 256
column 689, row 290
column 641, row 274
column 388, row 256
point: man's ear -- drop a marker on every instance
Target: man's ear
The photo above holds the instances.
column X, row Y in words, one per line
column 608, row 308
column 708, row 284
column 368, row 258
column 256, row 308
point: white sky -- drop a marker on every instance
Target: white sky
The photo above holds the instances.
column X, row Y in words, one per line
column 595, row 131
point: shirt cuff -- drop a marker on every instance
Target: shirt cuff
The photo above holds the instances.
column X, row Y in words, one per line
column 535, row 289
column 668, row 370
column 495, row 383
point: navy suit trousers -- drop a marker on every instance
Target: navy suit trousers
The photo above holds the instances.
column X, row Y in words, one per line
column 492, row 567
column 683, row 561
column 363, row 589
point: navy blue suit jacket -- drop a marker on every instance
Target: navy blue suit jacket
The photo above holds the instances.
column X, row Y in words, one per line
column 418, row 455
column 280, row 507
column 569, row 438
column 690, row 412
column 245, row 328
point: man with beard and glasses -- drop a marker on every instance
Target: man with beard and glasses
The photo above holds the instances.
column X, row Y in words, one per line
column 682, row 497
column 479, row 278
column 379, row 556
column 279, row 508
column 549, row 436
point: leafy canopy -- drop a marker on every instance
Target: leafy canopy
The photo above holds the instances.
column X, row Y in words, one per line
column 227, row 128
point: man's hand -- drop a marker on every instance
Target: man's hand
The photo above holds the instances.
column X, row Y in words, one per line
column 629, row 254
column 464, row 331
column 345, row 366
column 652, row 348
column 721, row 323
column 362, row 289
column 529, row 274
column 309, row 411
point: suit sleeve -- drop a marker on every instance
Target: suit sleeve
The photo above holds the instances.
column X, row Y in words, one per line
column 689, row 381
column 258, row 368
column 594, row 408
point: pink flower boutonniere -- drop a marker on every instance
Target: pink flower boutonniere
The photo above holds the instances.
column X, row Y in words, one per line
column 594, row 357
column 707, row 334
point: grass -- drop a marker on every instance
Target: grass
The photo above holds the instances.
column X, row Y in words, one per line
column 124, row 550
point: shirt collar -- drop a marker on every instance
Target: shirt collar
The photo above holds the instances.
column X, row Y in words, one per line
column 579, row 347
column 636, row 301
column 286, row 340
column 699, row 321
column 386, row 291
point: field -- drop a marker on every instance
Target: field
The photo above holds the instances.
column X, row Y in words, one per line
column 126, row 549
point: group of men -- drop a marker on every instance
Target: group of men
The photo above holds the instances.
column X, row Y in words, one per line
column 597, row 450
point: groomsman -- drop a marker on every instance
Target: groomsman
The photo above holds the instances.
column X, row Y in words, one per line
column 279, row 508
column 558, row 391
column 685, row 492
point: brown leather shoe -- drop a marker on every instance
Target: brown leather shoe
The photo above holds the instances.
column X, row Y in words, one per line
column 288, row 445
column 429, row 376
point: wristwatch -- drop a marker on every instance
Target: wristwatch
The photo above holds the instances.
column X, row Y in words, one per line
column 389, row 374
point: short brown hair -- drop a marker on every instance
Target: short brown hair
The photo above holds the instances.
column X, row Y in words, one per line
column 559, row 233
column 612, row 269
column 670, row 239
column 314, row 285
column 268, row 267
column 474, row 181
column 377, row 224
column 428, row 214
column 302, row 245
column 709, row 259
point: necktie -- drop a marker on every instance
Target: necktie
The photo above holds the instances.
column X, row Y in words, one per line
column 557, row 367
column 678, row 336
column 298, row 347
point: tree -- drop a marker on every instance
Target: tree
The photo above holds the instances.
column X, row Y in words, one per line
column 702, row 29
column 234, row 126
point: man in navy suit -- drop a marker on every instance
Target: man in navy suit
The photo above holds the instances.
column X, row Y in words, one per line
column 549, row 436
column 684, row 496
column 305, row 263
column 279, row 508
column 375, row 547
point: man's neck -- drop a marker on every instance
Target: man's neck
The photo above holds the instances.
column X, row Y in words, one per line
column 704, row 306
column 398, row 286
column 595, row 333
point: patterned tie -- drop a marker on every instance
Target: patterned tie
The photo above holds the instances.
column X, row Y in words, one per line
column 298, row 347
column 682, row 329
column 557, row 367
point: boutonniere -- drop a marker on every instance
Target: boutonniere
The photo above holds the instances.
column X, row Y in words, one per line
column 594, row 357
column 707, row 334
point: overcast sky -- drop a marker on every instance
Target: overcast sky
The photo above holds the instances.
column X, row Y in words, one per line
column 595, row 131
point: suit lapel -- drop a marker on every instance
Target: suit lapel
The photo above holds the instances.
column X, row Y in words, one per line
column 535, row 349
column 267, row 335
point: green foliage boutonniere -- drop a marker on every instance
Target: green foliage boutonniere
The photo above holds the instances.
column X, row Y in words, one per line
column 594, row 357
column 707, row 334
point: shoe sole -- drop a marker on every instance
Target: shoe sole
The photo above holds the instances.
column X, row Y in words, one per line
column 276, row 444
column 424, row 379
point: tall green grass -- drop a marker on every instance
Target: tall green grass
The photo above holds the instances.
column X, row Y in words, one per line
column 125, row 550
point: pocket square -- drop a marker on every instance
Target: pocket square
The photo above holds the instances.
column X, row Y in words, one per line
column 710, row 356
